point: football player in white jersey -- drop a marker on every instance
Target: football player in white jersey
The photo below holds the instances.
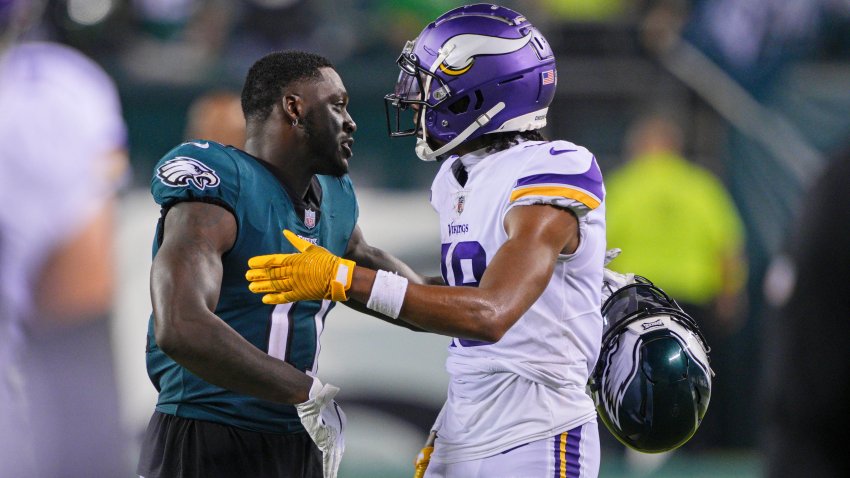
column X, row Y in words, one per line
column 62, row 158
column 523, row 243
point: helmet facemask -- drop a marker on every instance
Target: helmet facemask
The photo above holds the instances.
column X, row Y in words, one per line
column 415, row 87
column 408, row 95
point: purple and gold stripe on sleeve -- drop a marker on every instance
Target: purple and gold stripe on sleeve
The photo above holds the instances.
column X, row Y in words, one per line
column 585, row 188
column 567, row 454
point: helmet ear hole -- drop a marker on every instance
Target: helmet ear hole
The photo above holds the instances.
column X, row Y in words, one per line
column 460, row 106
column 479, row 100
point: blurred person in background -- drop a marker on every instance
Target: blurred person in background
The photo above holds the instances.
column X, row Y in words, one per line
column 217, row 116
column 676, row 223
column 177, row 42
column 310, row 25
column 806, row 381
column 62, row 160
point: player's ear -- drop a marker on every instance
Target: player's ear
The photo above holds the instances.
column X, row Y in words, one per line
column 293, row 108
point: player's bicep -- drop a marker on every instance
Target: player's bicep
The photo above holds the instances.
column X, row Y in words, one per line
column 187, row 269
column 547, row 224
column 523, row 265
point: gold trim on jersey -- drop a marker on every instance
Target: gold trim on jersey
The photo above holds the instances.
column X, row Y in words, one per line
column 579, row 195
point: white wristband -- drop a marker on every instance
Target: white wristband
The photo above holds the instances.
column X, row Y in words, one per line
column 387, row 293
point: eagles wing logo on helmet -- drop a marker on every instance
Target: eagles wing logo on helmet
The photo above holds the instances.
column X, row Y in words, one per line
column 464, row 48
column 618, row 373
column 183, row 171
column 652, row 383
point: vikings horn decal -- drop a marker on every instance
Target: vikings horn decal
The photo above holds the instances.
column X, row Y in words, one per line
column 183, row 171
column 464, row 48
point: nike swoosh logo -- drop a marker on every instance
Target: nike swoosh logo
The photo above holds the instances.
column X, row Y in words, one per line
column 555, row 152
column 200, row 145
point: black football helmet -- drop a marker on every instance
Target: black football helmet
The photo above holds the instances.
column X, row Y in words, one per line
column 652, row 382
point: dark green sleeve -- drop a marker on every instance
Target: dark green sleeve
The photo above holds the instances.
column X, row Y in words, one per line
column 196, row 171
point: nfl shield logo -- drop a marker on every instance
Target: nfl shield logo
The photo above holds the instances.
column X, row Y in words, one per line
column 309, row 218
column 461, row 200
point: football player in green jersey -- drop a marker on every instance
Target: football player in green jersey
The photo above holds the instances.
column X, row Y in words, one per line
column 236, row 379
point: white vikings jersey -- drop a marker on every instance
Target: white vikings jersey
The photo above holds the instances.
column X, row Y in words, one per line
column 60, row 119
column 531, row 384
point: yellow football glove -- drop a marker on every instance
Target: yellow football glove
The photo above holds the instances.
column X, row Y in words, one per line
column 422, row 461
column 314, row 273
column 424, row 458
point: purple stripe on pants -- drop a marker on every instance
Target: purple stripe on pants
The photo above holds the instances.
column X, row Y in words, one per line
column 557, row 448
column 573, row 455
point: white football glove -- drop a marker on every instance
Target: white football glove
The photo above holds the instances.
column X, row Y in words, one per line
column 613, row 281
column 324, row 421
column 611, row 254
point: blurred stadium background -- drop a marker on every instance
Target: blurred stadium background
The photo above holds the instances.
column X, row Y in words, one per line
column 760, row 87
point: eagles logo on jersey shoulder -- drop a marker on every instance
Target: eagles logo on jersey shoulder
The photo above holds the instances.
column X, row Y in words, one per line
column 184, row 171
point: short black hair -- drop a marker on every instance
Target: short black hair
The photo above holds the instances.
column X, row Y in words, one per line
column 268, row 77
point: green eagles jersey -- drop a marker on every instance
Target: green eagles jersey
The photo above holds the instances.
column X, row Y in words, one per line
column 242, row 184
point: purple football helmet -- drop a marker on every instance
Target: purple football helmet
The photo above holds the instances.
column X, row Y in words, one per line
column 475, row 70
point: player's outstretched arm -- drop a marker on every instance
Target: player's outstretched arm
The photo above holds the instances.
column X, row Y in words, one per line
column 370, row 257
column 185, row 284
column 514, row 279
column 314, row 273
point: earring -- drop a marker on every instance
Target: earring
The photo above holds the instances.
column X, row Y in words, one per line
column 295, row 122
